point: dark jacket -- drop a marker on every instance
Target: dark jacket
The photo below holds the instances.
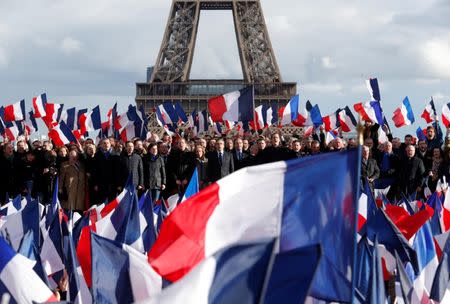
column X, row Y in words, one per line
column 180, row 165
column 154, row 172
column 273, row 154
column 369, row 169
column 202, row 169
column 220, row 168
column 104, row 176
column 7, row 178
column 411, row 175
column 239, row 159
column 131, row 165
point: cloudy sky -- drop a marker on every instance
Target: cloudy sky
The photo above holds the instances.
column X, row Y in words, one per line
column 87, row 52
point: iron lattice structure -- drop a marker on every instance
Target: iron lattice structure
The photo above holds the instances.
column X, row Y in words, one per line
column 170, row 79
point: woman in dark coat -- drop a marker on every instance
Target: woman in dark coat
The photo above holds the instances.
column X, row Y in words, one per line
column 154, row 172
column 201, row 163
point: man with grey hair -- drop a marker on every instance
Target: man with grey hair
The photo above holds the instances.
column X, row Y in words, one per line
column 369, row 167
column 411, row 173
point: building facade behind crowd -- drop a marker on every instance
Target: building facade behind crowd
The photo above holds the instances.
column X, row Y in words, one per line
column 89, row 174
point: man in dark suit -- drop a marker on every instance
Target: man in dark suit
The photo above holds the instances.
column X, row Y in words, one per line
column 130, row 164
column 411, row 173
column 220, row 162
column 369, row 168
column 104, row 175
column 239, row 155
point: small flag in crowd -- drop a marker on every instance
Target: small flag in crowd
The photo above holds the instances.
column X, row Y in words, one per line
column 404, row 115
column 446, row 115
column 234, row 106
column 291, row 113
column 429, row 113
column 370, row 111
column 15, row 112
column 39, row 103
column 374, row 90
column 61, row 135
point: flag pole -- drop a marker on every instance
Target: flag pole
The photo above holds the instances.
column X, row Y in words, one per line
column 360, row 140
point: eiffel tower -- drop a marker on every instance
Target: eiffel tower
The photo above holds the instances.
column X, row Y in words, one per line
column 170, row 81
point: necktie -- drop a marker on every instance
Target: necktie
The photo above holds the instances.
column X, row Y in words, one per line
column 220, row 158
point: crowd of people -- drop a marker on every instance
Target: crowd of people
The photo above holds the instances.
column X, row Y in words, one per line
column 89, row 174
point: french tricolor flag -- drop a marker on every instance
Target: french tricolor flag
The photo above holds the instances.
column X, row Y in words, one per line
column 206, row 222
column 61, row 135
column 346, row 120
column 404, row 115
column 374, row 90
column 429, row 113
column 446, row 115
column 370, row 111
column 15, row 112
column 234, row 106
column 52, row 114
column 90, row 121
column 291, row 113
column 39, row 103
column 330, row 121
column 258, row 123
column 18, row 278
column 30, row 123
column 166, row 114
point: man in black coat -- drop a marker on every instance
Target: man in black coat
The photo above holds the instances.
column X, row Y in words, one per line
column 276, row 151
column 7, row 176
column 220, row 162
column 104, row 176
column 369, row 167
column 154, row 172
column 180, row 165
column 131, row 164
column 239, row 155
column 411, row 173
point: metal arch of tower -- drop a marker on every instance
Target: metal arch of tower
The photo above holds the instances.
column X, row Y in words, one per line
column 177, row 49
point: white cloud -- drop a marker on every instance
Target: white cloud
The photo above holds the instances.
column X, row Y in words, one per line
column 70, row 45
column 328, row 63
column 437, row 54
column 322, row 87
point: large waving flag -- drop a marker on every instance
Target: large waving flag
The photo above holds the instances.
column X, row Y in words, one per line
column 39, row 103
column 281, row 207
column 429, row 113
column 15, row 112
column 18, row 278
column 234, row 106
column 370, row 111
column 180, row 112
column 232, row 275
column 404, row 115
column 259, row 123
column 121, row 274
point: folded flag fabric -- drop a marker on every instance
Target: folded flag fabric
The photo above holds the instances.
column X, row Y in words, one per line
column 404, row 115
column 90, row 121
column 39, row 103
column 429, row 113
column 211, row 219
column 53, row 113
column 121, row 274
column 18, row 278
column 15, row 112
column 420, row 133
column 331, row 121
column 182, row 118
column 234, row 106
column 232, row 275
